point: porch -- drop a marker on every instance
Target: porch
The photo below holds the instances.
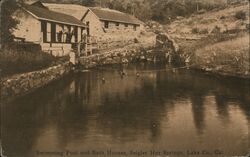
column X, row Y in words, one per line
column 59, row 39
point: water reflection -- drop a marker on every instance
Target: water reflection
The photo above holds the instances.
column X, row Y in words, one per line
column 161, row 109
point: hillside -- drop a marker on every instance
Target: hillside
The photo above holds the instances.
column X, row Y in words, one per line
column 216, row 41
column 162, row 11
column 201, row 25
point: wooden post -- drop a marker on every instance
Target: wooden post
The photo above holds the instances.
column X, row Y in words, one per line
column 72, row 59
column 79, row 49
column 86, row 48
column 197, row 5
column 90, row 45
column 1, row 2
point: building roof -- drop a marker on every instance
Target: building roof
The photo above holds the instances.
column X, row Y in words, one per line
column 114, row 15
column 46, row 14
column 75, row 10
column 38, row 3
column 29, row 2
column 79, row 12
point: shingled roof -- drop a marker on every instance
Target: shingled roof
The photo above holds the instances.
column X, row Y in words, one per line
column 46, row 14
column 71, row 9
column 116, row 16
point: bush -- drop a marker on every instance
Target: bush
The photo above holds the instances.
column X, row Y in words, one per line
column 195, row 30
column 241, row 15
column 232, row 31
column 223, row 17
column 248, row 27
column 200, row 31
column 202, row 11
column 216, row 30
column 13, row 61
column 136, row 40
column 204, row 31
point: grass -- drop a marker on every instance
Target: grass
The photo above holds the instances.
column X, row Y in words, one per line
column 216, row 40
column 241, row 15
column 189, row 47
column 223, row 53
column 231, row 56
column 13, row 62
column 229, row 18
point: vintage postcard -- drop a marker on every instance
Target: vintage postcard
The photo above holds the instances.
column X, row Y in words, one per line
column 124, row 78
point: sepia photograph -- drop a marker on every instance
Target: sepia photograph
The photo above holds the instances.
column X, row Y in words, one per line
column 124, row 78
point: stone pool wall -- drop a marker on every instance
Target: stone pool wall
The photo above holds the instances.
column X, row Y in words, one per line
column 129, row 53
column 21, row 84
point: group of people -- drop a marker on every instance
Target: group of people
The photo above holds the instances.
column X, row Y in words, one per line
column 65, row 36
column 69, row 36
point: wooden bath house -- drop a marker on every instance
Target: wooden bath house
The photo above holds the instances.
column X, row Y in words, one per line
column 57, row 33
column 106, row 21
column 107, row 27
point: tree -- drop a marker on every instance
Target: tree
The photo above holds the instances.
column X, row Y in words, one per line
column 8, row 23
column 88, row 2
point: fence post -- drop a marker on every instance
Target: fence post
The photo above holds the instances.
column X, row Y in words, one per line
column 1, row 2
column 78, row 49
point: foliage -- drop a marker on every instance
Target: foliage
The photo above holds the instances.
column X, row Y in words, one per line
column 81, row 2
column 13, row 61
column 88, row 2
column 195, row 30
column 241, row 15
column 200, row 31
column 163, row 11
column 204, row 31
column 228, row 56
column 216, row 30
column 8, row 24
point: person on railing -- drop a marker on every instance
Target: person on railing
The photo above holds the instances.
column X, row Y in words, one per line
column 68, row 37
column 59, row 37
column 83, row 43
column 72, row 38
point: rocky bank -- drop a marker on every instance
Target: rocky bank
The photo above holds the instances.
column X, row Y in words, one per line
column 215, row 41
column 21, row 84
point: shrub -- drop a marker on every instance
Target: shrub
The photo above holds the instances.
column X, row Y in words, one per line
column 136, row 40
column 202, row 11
column 248, row 27
column 223, row 17
column 200, row 31
column 216, row 30
column 13, row 61
column 8, row 7
column 232, row 31
column 195, row 30
column 204, row 31
column 241, row 15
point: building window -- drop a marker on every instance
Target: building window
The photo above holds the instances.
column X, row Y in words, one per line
column 106, row 24
column 126, row 25
column 76, row 34
column 48, row 32
column 43, row 26
column 68, row 33
column 135, row 27
column 59, row 33
column 117, row 24
column 53, row 32
column 44, row 30
column 65, row 33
